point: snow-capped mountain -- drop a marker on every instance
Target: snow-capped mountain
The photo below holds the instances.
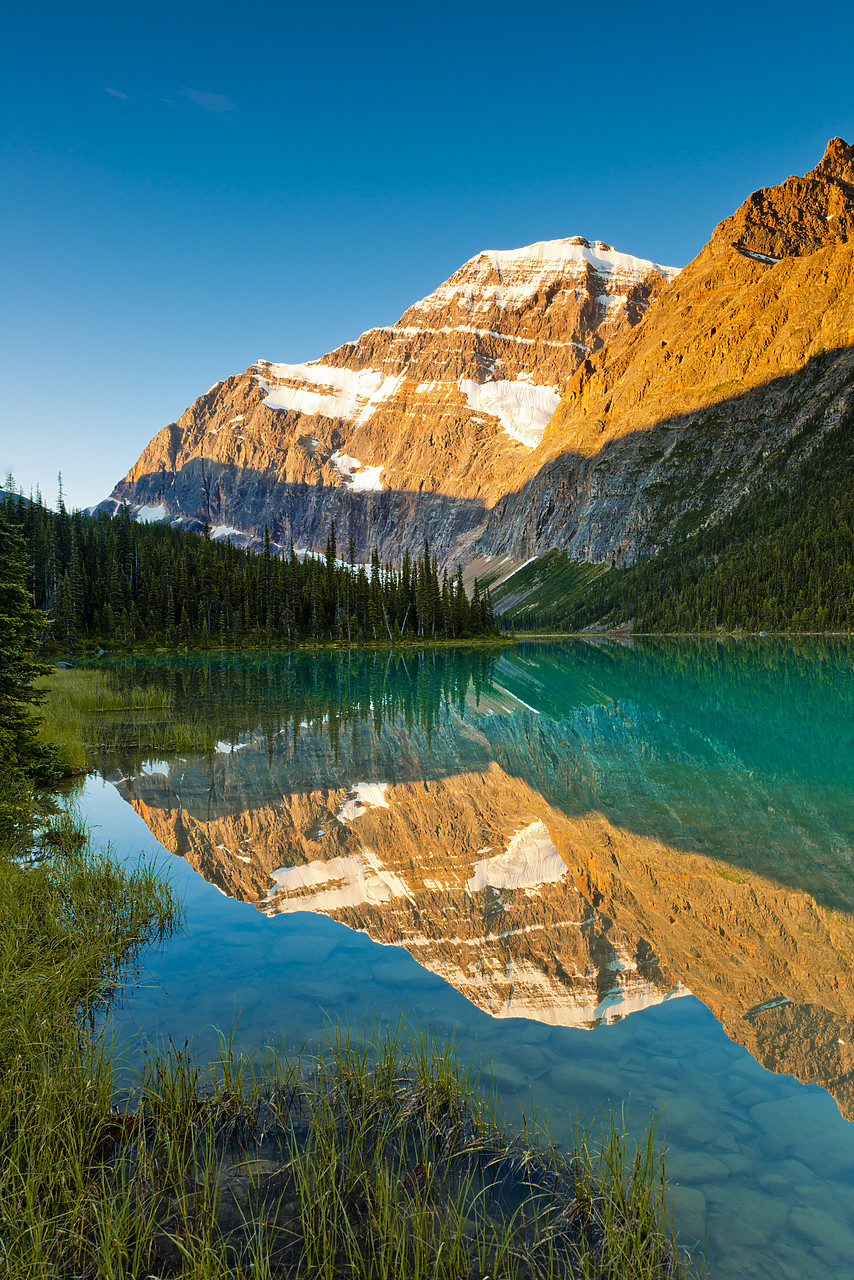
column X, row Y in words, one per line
column 537, row 399
column 412, row 430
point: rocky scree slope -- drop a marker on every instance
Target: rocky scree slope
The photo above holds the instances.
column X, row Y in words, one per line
column 414, row 430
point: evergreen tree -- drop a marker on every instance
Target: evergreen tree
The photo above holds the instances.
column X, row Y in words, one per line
column 20, row 751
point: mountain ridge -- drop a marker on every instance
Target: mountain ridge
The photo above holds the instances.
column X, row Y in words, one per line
column 715, row 380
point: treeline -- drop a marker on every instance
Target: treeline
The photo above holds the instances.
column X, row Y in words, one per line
column 106, row 580
column 782, row 561
column 25, row 761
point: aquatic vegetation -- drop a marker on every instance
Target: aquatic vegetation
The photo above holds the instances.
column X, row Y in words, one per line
column 71, row 923
column 371, row 1156
column 76, row 701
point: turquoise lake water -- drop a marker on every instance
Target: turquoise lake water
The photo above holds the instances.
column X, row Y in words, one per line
column 621, row 875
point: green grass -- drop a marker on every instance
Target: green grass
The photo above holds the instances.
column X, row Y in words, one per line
column 71, row 921
column 373, row 1157
column 549, row 586
column 146, row 732
column 76, row 702
column 86, row 710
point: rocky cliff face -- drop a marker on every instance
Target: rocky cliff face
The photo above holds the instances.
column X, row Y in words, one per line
column 537, row 400
column 412, row 431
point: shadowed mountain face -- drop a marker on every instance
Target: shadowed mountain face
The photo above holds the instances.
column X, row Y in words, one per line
column 566, row 833
column 539, row 399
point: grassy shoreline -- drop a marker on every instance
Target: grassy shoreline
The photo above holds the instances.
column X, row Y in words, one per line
column 505, row 640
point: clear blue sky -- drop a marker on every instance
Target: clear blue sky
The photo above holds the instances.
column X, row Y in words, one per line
column 188, row 187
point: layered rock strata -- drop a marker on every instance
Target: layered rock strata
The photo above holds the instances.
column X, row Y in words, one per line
column 411, row 431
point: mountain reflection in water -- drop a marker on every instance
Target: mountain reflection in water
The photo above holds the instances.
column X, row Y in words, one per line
column 566, row 832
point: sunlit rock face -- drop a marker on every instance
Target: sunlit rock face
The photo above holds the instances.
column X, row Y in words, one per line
column 746, row 362
column 608, row 846
column 412, row 430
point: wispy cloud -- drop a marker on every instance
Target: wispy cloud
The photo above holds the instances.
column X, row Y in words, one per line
column 115, row 93
column 214, row 102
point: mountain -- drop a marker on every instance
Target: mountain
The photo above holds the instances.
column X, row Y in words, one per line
column 747, row 359
column 537, row 400
column 413, row 430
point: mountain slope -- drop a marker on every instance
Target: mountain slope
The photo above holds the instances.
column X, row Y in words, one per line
column 672, row 424
column 781, row 561
column 412, row 431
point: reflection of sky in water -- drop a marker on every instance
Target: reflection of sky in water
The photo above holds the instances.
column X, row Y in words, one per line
column 726, row 760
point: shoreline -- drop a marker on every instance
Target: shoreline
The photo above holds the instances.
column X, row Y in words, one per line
column 504, row 641
column 340, row 1156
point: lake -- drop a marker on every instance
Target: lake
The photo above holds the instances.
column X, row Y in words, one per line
column 619, row 874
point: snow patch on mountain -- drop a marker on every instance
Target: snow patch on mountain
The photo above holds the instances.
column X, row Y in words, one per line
column 150, row 515
column 348, row 394
column 530, row 859
column 328, row 886
column 510, row 277
column 522, row 408
column 573, row 252
column 535, row 995
column 361, row 479
column 363, row 796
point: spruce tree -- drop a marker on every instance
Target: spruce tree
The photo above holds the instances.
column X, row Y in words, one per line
column 21, row 753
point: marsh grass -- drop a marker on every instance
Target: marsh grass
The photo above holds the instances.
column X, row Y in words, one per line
column 154, row 732
column 76, row 702
column 376, row 1157
column 85, row 711
column 71, row 922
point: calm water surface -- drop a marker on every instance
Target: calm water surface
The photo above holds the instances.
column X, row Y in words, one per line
column 619, row 874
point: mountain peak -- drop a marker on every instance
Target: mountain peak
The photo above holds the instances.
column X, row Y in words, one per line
column 837, row 162
column 799, row 216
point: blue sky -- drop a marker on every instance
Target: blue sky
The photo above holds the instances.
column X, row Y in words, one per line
column 188, row 187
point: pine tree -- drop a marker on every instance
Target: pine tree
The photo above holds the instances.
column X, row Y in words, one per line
column 21, row 754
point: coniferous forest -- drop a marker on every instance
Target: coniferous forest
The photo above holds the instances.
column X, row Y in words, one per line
column 107, row 580
column 782, row 561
